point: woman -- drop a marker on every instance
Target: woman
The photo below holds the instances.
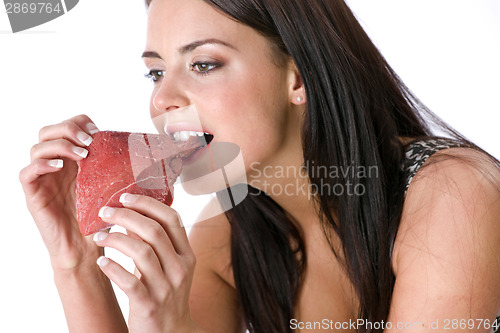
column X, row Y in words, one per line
column 298, row 86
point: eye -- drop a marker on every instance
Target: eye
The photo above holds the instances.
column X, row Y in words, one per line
column 155, row 75
column 203, row 67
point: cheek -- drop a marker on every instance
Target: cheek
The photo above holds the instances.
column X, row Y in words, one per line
column 251, row 112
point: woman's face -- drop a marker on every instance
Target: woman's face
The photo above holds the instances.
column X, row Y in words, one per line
column 229, row 72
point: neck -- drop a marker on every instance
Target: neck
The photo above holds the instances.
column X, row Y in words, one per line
column 288, row 185
column 299, row 203
column 284, row 178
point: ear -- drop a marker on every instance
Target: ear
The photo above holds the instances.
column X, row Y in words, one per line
column 296, row 89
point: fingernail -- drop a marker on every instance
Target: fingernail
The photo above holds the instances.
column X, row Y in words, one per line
column 102, row 261
column 84, row 138
column 92, row 128
column 106, row 212
column 100, row 236
column 80, row 151
column 128, row 198
column 56, row 163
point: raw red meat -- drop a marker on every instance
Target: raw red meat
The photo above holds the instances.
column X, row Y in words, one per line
column 123, row 162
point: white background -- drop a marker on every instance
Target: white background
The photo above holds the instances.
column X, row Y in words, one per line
column 88, row 61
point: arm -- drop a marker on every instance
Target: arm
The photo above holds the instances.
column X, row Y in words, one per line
column 88, row 300
column 447, row 253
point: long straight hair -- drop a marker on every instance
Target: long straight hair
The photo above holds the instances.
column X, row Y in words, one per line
column 357, row 107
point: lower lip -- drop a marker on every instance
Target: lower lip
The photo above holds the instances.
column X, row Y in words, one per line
column 197, row 154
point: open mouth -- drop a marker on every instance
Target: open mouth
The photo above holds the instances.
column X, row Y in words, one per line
column 199, row 140
column 183, row 136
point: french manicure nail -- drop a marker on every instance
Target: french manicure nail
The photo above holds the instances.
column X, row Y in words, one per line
column 56, row 163
column 102, row 261
column 106, row 212
column 84, row 138
column 92, row 128
column 80, row 151
column 100, row 236
column 128, row 198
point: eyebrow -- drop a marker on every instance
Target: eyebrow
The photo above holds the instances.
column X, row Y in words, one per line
column 190, row 47
column 151, row 54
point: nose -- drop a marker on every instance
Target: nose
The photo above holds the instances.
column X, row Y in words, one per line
column 169, row 96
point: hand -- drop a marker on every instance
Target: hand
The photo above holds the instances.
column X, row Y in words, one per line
column 49, row 186
column 157, row 242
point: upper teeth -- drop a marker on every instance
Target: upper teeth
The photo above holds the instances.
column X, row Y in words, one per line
column 184, row 135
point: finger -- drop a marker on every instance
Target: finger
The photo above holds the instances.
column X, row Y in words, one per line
column 141, row 253
column 165, row 215
column 39, row 168
column 148, row 230
column 137, row 273
column 77, row 129
column 131, row 286
column 56, row 149
column 132, row 234
column 135, row 236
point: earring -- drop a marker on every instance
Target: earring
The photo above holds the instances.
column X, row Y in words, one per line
column 299, row 99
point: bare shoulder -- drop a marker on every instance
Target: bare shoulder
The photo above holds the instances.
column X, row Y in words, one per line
column 446, row 255
column 213, row 301
column 456, row 191
column 461, row 177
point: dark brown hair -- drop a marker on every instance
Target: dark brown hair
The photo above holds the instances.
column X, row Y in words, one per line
column 357, row 107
